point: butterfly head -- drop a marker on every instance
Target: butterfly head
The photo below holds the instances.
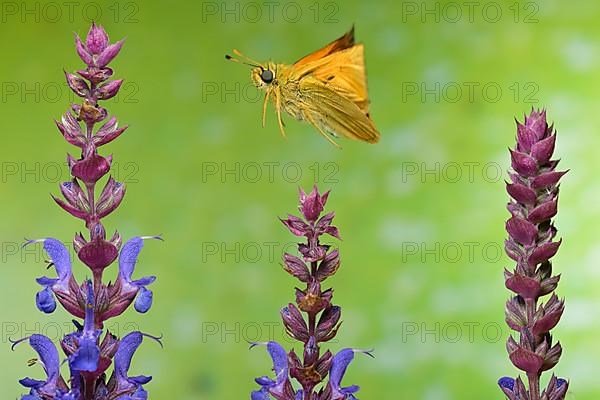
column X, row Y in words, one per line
column 263, row 75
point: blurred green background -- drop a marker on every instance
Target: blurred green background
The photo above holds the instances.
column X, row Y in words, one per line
column 421, row 213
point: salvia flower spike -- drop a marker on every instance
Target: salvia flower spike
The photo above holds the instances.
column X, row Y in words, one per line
column 89, row 350
column 313, row 319
column 531, row 243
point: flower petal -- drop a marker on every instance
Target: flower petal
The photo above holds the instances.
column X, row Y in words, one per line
column 48, row 355
column 109, row 53
column 60, row 257
column 128, row 257
column 143, row 302
column 339, row 365
column 45, row 301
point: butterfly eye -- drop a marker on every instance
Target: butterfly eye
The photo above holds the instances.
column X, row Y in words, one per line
column 266, row 76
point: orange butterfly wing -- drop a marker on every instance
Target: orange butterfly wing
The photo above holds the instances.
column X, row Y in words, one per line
column 344, row 42
column 340, row 66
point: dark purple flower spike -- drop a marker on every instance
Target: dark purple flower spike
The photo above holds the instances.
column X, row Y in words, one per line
column 531, row 244
column 322, row 319
column 90, row 354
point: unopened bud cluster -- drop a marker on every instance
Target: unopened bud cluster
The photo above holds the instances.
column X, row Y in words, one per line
column 531, row 244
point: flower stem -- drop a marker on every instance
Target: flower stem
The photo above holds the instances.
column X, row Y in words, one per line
column 534, row 379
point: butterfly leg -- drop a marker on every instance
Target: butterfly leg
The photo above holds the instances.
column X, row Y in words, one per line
column 278, row 107
column 325, row 135
column 264, row 115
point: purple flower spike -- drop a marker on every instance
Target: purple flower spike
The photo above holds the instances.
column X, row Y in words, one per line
column 89, row 354
column 531, row 244
column 314, row 319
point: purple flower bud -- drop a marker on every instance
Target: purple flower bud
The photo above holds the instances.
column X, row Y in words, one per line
column 108, row 132
column 311, row 352
column 516, row 314
column 546, row 179
column 294, row 323
column 552, row 311
column 543, row 212
column 71, row 130
column 526, row 360
column 526, row 287
column 542, row 150
column 521, row 193
column 557, row 388
column 296, row 267
column 109, row 89
column 83, row 53
column 297, row 226
column 324, row 226
column 96, row 40
column 521, row 230
column 72, row 192
column 329, row 265
column 74, row 211
column 312, row 205
column 97, row 255
column 524, row 164
column 544, row 252
column 77, row 85
column 513, row 250
column 96, row 75
column 506, row 382
column 328, row 324
column 91, row 168
column 110, row 198
column 109, row 54
column 507, row 386
column 531, row 131
column 552, row 357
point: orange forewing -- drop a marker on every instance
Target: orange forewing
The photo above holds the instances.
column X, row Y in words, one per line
column 344, row 42
column 340, row 66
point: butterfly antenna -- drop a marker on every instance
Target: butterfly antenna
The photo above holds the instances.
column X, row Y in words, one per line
column 249, row 61
column 230, row 58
